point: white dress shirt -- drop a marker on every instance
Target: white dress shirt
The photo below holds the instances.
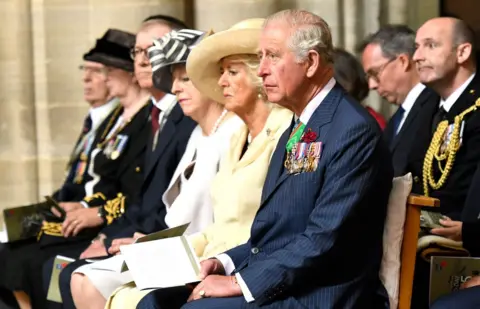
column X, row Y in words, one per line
column 307, row 113
column 98, row 114
column 315, row 102
column 447, row 103
column 407, row 105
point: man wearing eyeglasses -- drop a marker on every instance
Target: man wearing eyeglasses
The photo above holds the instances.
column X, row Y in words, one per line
column 95, row 92
column 390, row 70
column 170, row 132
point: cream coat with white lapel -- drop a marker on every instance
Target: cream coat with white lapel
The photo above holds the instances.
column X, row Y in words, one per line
column 237, row 188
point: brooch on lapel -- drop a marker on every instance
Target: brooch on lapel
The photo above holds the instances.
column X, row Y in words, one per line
column 304, row 155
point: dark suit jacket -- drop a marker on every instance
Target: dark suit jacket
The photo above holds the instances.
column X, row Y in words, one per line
column 453, row 194
column 147, row 214
column 122, row 175
column 74, row 192
column 471, row 217
column 317, row 237
column 401, row 144
column 125, row 173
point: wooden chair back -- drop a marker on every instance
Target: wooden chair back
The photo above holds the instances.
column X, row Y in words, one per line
column 409, row 245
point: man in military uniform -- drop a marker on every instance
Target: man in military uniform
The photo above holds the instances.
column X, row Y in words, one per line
column 96, row 94
column 447, row 149
column 101, row 105
column 170, row 132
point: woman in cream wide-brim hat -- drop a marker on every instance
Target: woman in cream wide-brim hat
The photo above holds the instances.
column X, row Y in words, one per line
column 223, row 66
column 203, row 64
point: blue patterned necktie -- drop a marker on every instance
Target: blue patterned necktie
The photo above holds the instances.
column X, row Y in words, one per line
column 397, row 119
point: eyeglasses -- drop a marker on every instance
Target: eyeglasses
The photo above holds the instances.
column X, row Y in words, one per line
column 93, row 70
column 375, row 73
column 134, row 52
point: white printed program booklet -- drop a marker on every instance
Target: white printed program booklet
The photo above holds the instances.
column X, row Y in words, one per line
column 162, row 263
column 117, row 262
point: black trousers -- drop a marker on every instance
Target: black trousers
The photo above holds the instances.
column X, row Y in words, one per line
column 464, row 299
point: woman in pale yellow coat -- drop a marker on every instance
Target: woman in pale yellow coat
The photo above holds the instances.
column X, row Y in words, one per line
column 225, row 70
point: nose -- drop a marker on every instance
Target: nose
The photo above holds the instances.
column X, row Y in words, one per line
column 86, row 76
column 142, row 59
column 372, row 83
column 222, row 81
column 263, row 68
column 175, row 87
column 417, row 55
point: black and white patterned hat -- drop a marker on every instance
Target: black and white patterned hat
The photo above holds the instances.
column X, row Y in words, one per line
column 172, row 48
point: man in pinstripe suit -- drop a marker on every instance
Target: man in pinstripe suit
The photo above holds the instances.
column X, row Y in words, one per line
column 316, row 241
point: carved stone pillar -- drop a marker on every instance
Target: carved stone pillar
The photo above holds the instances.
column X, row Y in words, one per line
column 332, row 12
column 220, row 15
column 18, row 146
column 63, row 31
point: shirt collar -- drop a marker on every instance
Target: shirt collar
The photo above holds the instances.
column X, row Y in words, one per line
column 315, row 102
column 99, row 113
column 412, row 96
column 165, row 103
column 448, row 102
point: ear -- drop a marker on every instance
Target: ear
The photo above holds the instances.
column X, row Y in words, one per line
column 313, row 63
column 404, row 61
column 464, row 51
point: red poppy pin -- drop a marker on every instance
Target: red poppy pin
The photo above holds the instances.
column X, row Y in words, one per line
column 309, row 137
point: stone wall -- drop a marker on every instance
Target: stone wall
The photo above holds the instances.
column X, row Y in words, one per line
column 42, row 41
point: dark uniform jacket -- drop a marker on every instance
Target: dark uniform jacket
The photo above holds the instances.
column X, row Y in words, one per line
column 118, row 169
column 453, row 192
column 147, row 213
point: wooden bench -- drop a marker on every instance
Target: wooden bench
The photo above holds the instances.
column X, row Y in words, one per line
column 409, row 245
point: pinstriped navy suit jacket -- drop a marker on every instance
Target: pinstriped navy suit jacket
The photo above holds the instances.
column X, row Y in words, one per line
column 316, row 240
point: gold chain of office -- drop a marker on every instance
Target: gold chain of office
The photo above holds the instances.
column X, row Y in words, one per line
column 447, row 157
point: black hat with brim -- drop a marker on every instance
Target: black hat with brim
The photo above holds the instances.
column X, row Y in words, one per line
column 113, row 50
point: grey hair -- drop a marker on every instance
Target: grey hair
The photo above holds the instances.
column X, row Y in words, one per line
column 393, row 40
column 310, row 32
column 252, row 64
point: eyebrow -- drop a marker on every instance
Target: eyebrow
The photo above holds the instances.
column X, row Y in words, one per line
column 428, row 40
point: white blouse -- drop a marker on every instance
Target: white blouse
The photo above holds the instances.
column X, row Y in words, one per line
column 188, row 197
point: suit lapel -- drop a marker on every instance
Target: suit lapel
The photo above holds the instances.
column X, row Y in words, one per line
column 137, row 130
column 322, row 115
column 163, row 139
column 276, row 169
column 417, row 106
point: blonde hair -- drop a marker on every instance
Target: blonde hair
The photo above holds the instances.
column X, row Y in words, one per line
column 252, row 64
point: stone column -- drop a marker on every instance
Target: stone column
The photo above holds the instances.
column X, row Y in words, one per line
column 63, row 31
column 18, row 145
column 220, row 15
column 332, row 12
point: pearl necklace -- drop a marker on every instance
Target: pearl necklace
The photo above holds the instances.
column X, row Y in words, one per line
column 217, row 123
